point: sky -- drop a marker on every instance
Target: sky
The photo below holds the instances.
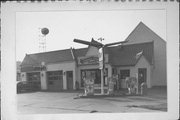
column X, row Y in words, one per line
column 64, row 26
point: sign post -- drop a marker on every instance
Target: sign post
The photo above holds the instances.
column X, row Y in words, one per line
column 101, row 67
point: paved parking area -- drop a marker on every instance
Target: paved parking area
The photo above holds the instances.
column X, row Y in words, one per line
column 65, row 102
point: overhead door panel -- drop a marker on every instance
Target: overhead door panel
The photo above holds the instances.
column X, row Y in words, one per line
column 55, row 80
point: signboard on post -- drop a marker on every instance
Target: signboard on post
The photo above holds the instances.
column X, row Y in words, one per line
column 100, row 58
column 100, row 54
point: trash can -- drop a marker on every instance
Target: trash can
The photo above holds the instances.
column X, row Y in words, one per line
column 143, row 88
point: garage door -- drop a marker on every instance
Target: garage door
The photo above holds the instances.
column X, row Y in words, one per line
column 34, row 79
column 55, row 80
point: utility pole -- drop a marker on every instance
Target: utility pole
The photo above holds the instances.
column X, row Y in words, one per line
column 102, row 46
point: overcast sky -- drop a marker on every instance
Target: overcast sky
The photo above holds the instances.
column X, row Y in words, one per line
column 64, row 26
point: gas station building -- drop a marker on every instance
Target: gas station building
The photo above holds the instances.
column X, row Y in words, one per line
column 143, row 56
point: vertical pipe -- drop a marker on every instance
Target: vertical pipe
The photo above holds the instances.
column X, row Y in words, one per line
column 137, row 92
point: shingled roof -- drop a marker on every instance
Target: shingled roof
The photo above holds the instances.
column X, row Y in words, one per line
column 80, row 52
column 48, row 57
column 127, row 55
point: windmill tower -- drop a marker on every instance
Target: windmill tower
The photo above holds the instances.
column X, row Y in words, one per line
column 42, row 39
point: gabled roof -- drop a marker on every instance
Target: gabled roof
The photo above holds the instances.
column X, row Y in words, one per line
column 142, row 33
column 48, row 57
column 127, row 55
column 80, row 52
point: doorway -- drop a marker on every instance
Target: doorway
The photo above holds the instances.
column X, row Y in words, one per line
column 142, row 76
column 69, row 78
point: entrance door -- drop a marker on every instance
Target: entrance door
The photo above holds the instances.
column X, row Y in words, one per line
column 69, row 78
column 142, row 75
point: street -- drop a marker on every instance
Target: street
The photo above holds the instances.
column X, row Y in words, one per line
column 65, row 102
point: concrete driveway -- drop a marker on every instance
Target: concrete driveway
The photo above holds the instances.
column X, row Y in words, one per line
column 64, row 102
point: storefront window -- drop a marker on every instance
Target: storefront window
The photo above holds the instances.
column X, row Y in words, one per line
column 93, row 73
column 124, row 73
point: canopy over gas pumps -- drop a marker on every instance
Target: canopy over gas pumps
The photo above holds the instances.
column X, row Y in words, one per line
column 100, row 45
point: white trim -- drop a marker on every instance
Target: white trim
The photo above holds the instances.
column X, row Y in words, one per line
column 72, row 53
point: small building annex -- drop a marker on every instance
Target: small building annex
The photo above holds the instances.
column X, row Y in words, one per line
column 143, row 56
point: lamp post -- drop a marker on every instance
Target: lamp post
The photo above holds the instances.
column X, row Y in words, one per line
column 102, row 46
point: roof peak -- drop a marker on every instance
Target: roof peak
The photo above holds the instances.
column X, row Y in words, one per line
column 139, row 30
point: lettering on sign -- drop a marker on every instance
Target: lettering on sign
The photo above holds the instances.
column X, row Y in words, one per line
column 39, row 68
column 89, row 60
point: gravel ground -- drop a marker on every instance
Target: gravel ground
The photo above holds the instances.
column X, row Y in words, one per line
column 64, row 102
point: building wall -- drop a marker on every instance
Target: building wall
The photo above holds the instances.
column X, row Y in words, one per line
column 159, row 75
column 122, row 81
column 65, row 66
column 142, row 63
column 160, row 60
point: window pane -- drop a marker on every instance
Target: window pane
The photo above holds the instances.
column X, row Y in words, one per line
column 55, row 75
column 124, row 73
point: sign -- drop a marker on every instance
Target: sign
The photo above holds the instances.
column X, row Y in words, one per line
column 100, row 54
column 33, row 68
column 88, row 60
column 39, row 68
column 100, row 58
column 100, row 64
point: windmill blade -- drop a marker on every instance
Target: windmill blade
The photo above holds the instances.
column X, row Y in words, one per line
column 116, row 43
column 87, row 43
